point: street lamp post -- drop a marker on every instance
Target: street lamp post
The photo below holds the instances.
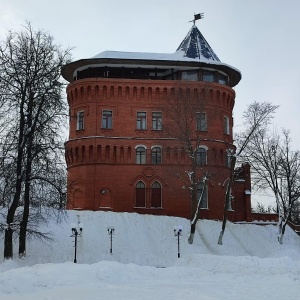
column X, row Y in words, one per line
column 110, row 231
column 177, row 232
column 76, row 232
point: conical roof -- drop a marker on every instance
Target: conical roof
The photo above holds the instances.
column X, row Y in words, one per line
column 193, row 52
column 195, row 45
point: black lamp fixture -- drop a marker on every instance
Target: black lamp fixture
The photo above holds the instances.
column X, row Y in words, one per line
column 110, row 231
column 177, row 232
column 76, row 232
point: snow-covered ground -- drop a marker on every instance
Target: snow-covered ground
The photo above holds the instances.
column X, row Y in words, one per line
column 250, row 264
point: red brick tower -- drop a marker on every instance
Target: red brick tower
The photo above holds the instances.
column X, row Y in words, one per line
column 118, row 155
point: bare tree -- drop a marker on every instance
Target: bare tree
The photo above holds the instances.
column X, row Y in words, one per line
column 30, row 85
column 277, row 167
column 257, row 116
column 185, row 127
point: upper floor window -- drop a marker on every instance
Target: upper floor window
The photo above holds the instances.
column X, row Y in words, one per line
column 156, row 155
column 156, row 120
column 189, row 75
column 208, row 76
column 201, row 156
column 140, row 155
column 106, row 119
column 222, row 78
column 226, row 125
column 80, row 120
column 201, row 121
column 141, row 121
column 202, row 195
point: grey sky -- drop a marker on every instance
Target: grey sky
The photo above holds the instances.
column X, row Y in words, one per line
column 261, row 38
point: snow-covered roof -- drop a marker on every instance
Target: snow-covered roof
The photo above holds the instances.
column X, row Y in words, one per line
column 195, row 46
column 193, row 52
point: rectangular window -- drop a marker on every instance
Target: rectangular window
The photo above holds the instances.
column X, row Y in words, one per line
column 189, row 75
column 201, row 121
column 141, row 121
column 208, row 76
column 107, row 119
column 226, row 125
column 80, row 120
column 156, row 120
column 222, row 79
column 140, row 155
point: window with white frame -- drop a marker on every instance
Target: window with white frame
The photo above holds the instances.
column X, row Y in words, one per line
column 201, row 121
column 156, row 155
column 80, row 120
column 140, row 155
column 226, row 125
column 156, row 120
column 106, row 119
column 141, row 121
column 201, row 156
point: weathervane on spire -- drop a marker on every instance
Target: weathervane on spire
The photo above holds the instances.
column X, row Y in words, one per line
column 197, row 17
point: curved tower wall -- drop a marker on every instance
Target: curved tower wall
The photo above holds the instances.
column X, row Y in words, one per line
column 102, row 169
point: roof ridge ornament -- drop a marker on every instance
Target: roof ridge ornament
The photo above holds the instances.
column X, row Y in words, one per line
column 197, row 17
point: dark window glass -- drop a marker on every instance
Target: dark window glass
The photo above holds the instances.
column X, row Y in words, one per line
column 201, row 121
column 140, row 155
column 156, row 194
column 201, row 156
column 107, row 119
column 156, row 120
column 141, row 121
column 156, row 155
column 140, row 195
column 80, row 120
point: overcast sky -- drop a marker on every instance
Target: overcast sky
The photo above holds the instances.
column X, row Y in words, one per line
column 261, row 38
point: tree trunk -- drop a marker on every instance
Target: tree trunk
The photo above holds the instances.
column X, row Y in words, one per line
column 227, row 199
column 24, row 222
column 8, row 243
column 192, row 233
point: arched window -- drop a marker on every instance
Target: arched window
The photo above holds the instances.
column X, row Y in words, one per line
column 140, row 194
column 203, row 194
column 140, row 155
column 201, row 156
column 156, row 155
column 156, row 195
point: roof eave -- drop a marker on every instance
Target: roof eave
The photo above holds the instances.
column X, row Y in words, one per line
column 69, row 69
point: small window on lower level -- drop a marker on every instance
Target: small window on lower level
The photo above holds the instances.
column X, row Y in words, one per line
column 156, row 195
column 140, row 194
